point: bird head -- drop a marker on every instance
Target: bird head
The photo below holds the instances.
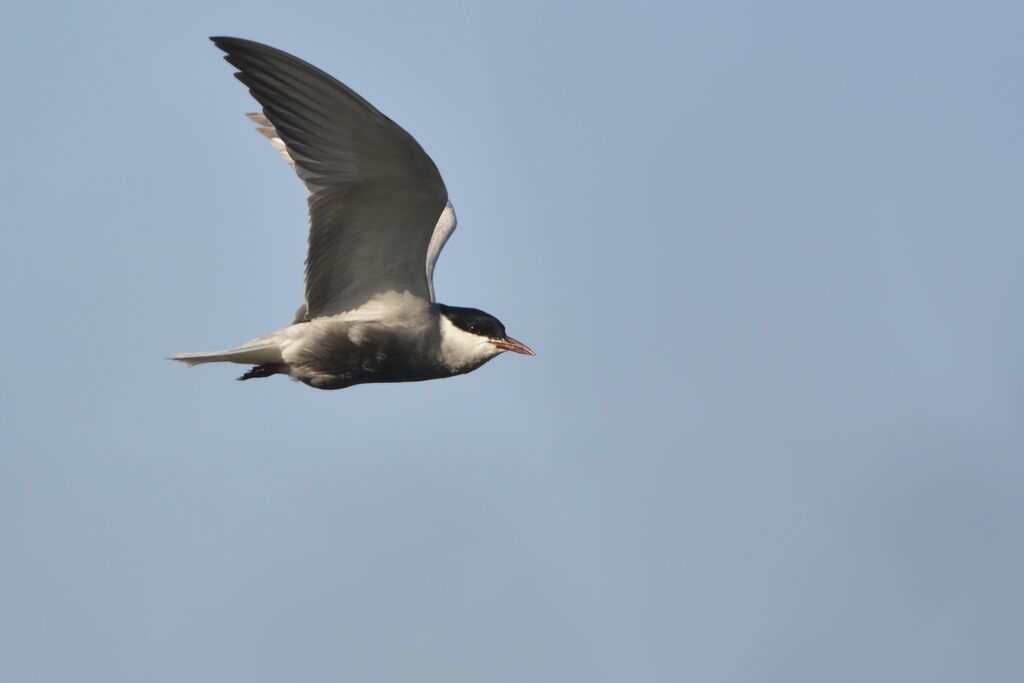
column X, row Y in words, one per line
column 470, row 338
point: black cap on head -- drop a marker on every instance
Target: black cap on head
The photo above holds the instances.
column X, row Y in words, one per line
column 474, row 321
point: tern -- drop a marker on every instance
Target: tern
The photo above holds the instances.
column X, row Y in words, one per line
column 379, row 216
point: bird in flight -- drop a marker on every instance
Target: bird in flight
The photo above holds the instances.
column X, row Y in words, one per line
column 378, row 217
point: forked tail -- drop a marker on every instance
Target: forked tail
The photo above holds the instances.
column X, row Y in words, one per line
column 265, row 357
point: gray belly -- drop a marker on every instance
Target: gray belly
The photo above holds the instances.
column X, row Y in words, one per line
column 361, row 353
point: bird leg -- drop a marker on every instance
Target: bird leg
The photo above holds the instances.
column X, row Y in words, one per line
column 264, row 370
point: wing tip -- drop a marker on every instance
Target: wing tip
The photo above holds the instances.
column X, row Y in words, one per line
column 222, row 41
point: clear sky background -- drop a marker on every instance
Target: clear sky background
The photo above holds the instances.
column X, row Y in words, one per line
column 769, row 256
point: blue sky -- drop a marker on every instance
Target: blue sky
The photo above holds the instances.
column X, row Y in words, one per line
column 768, row 256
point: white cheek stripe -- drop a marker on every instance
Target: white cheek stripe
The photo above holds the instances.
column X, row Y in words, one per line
column 462, row 351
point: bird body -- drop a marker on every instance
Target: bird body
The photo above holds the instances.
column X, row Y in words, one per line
column 379, row 217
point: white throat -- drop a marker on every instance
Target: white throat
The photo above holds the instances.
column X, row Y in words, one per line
column 463, row 351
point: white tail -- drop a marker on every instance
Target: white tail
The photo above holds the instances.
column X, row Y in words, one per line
column 255, row 355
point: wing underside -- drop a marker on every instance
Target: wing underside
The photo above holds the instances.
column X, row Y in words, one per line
column 378, row 208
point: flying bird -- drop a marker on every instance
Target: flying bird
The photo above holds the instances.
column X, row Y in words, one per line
column 378, row 217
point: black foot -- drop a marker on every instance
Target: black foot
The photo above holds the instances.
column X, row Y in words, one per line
column 265, row 370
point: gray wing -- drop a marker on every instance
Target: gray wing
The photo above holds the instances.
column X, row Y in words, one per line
column 378, row 209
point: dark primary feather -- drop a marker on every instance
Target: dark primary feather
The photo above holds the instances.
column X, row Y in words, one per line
column 375, row 195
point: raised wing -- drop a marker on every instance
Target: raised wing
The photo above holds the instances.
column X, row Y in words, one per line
column 442, row 231
column 378, row 209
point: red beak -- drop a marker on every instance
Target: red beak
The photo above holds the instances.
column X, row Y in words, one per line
column 510, row 344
